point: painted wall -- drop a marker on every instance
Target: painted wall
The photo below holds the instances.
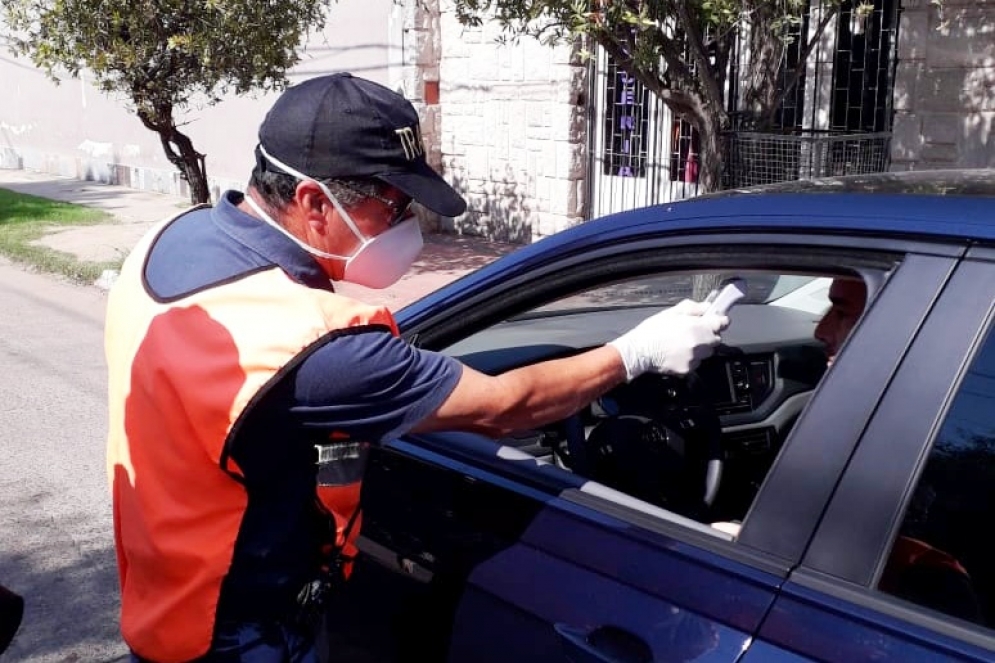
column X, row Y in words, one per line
column 73, row 129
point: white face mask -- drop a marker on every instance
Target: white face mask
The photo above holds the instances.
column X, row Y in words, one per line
column 379, row 261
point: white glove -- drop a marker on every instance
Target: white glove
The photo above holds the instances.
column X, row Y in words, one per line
column 672, row 341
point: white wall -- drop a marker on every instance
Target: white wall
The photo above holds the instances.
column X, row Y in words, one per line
column 945, row 86
column 73, row 129
column 508, row 129
column 513, row 131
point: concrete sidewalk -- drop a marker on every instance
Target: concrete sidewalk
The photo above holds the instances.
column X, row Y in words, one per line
column 444, row 259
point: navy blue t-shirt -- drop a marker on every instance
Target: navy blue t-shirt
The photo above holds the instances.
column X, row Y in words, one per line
column 363, row 381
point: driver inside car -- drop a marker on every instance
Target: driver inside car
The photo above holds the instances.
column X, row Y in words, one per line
column 847, row 298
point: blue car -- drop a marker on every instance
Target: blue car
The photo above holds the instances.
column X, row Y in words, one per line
column 767, row 507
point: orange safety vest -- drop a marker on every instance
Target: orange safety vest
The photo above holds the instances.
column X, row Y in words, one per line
column 182, row 374
column 908, row 553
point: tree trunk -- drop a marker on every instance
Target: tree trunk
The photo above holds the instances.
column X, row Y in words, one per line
column 180, row 152
column 712, row 154
column 710, row 126
column 712, row 157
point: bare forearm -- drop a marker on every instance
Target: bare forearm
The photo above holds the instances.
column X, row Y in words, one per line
column 672, row 342
column 527, row 397
column 554, row 390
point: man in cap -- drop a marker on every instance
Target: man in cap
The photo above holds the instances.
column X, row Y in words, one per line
column 232, row 360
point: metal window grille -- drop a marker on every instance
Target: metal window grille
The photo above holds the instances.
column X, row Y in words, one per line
column 836, row 120
column 626, row 125
column 638, row 150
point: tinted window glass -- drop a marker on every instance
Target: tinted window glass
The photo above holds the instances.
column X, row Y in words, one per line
column 944, row 557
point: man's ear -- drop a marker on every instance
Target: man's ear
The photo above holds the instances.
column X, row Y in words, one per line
column 313, row 204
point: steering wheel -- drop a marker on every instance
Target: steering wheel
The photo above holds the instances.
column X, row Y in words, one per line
column 715, row 454
column 658, row 439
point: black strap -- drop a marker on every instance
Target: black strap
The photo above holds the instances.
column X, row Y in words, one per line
column 348, row 525
column 313, row 596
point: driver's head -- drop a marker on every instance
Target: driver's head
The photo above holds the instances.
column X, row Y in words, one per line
column 847, row 299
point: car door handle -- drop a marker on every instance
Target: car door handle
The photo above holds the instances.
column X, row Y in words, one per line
column 604, row 643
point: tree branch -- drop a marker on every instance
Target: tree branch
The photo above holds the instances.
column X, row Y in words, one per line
column 696, row 46
column 677, row 70
column 803, row 56
column 677, row 100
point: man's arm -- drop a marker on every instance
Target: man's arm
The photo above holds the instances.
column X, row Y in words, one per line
column 671, row 342
column 526, row 397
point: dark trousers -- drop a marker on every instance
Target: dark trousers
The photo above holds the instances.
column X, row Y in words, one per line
column 248, row 642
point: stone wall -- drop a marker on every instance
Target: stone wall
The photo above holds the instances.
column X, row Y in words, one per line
column 513, row 131
column 945, row 86
column 416, row 47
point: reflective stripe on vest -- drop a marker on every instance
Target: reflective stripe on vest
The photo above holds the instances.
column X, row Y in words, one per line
column 181, row 375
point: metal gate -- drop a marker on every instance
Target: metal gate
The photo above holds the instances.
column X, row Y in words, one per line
column 837, row 120
column 640, row 153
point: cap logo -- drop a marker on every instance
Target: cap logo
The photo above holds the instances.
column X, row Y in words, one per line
column 411, row 142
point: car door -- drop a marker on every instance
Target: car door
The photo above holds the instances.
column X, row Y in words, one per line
column 890, row 532
column 545, row 566
column 480, row 553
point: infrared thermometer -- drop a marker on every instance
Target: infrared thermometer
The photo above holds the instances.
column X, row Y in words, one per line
column 722, row 299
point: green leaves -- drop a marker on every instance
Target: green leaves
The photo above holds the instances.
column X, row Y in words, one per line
column 680, row 50
column 161, row 53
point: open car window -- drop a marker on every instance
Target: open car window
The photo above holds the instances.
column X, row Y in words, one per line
column 698, row 447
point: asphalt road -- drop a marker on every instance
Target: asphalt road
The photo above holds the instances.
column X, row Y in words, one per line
column 56, row 540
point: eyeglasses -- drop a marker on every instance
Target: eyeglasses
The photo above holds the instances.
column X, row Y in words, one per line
column 399, row 209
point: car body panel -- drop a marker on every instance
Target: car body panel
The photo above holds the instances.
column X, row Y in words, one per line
column 476, row 551
column 549, row 568
column 576, row 571
column 814, row 620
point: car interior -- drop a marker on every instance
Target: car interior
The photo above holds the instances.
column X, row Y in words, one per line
column 699, row 446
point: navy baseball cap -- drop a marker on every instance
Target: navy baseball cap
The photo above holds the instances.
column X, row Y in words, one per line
column 343, row 126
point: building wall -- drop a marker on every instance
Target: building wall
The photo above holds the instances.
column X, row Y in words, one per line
column 945, row 86
column 505, row 123
column 513, row 131
column 417, row 78
column 73, row 129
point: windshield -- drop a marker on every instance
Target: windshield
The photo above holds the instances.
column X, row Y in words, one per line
column 802, row 292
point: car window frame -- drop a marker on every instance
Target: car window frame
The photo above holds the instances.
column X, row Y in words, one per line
column 474, row 299
column 896, row 313
column 660, row 252
column 905, row 436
